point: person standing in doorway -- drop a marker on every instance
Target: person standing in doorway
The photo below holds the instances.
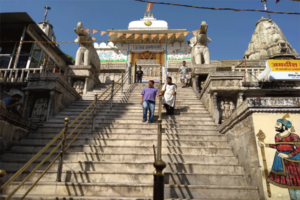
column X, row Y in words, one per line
column 139, row 75
column 169, row 98
column 148, row 101
column 184, row 74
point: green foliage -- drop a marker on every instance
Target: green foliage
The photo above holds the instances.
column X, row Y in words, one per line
column 70, row 58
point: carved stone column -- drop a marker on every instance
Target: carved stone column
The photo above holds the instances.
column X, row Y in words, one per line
column 239, row 99
column 216, row 112
column 50, row 105
column 85, row 86
column 26, row 111
column 196, row 86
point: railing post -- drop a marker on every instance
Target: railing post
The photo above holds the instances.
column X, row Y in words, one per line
column 2, row 174
column 122, row 82
column 95, row 105
column 62, row 151
column 159, row 164
column 112, row 94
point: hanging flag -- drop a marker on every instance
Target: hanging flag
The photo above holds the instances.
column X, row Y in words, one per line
column 145, row 36
column 102, row 33
column 185, row 33
column 195, row 32
column 170, row 35
column 94, row 31
column 87, row 30
column 128, row 35
column 111, row 33
column 177, row 34
column 119, row 35
column 136, row 36
column 153, row 36
column 160, row 36
column 149, row 7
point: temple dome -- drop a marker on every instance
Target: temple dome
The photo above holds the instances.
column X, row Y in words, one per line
column 148, row 23
column 268, row 41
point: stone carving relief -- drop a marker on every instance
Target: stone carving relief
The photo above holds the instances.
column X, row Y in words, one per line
column 79, row 87
column 40, row 109
column 200, row 51
column 227, row 108
column 269, row 102
column 86, row 51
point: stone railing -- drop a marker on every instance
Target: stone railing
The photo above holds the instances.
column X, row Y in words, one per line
column 17, row 75
column 250, row 74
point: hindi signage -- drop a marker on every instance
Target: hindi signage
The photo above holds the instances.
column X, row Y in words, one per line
column 147, row 47
column 284, row 69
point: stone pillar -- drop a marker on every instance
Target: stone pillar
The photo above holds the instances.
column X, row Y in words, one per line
column 85, row 86
column 196, row 84
column 26, row 110
column 216, row 112
column 50, row 105
column 239, row 99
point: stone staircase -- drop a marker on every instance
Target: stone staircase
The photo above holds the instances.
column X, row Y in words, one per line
column 116, row 161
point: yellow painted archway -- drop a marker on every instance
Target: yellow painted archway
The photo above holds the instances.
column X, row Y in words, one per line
column 159, row 57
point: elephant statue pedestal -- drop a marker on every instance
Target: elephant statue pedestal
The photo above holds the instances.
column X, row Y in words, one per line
column 87, row 74
column 200, row 69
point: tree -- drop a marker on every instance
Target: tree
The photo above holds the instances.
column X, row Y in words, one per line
column 70, row 58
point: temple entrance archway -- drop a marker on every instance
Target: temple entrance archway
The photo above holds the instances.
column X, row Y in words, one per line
column 150, row 63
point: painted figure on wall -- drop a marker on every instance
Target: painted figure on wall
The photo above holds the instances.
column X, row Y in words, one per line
column 285, row 171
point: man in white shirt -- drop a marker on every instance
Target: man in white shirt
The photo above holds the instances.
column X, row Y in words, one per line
column 184, row 74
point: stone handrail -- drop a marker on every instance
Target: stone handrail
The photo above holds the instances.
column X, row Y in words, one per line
column 16, row 120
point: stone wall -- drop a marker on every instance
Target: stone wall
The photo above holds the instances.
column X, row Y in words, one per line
column 241, row 129
column 54, row 87
column 219, row 86
column 12, row 128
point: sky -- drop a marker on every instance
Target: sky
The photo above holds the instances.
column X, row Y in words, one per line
column 230, row 31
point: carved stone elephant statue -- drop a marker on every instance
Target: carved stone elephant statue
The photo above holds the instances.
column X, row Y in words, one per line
column 86, row 53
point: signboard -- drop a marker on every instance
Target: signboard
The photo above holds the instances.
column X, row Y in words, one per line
column 178, row 55
column 112, row 56
column 147, row 47
column 46, row 48
column 285, row 70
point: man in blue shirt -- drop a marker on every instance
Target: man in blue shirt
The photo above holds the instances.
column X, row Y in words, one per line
column 148, row 101
column 13, row 103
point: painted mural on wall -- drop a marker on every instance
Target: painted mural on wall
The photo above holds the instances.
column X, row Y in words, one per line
column 112, row 56
column 178, row 54
column 279, row 154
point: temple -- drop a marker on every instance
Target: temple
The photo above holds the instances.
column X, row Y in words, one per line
column 234, row 133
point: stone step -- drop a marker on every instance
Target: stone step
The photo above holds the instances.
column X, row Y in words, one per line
column 141, row 167
column 130, row 127
column 126, row 130
column 133, row 190
column 132, row 111
column 131, row 142
column 138, row 117
column 153, row 136
column 62, row 197
column 176, row 158
column 137, row 120
column 226, row 151
column 138, row 178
